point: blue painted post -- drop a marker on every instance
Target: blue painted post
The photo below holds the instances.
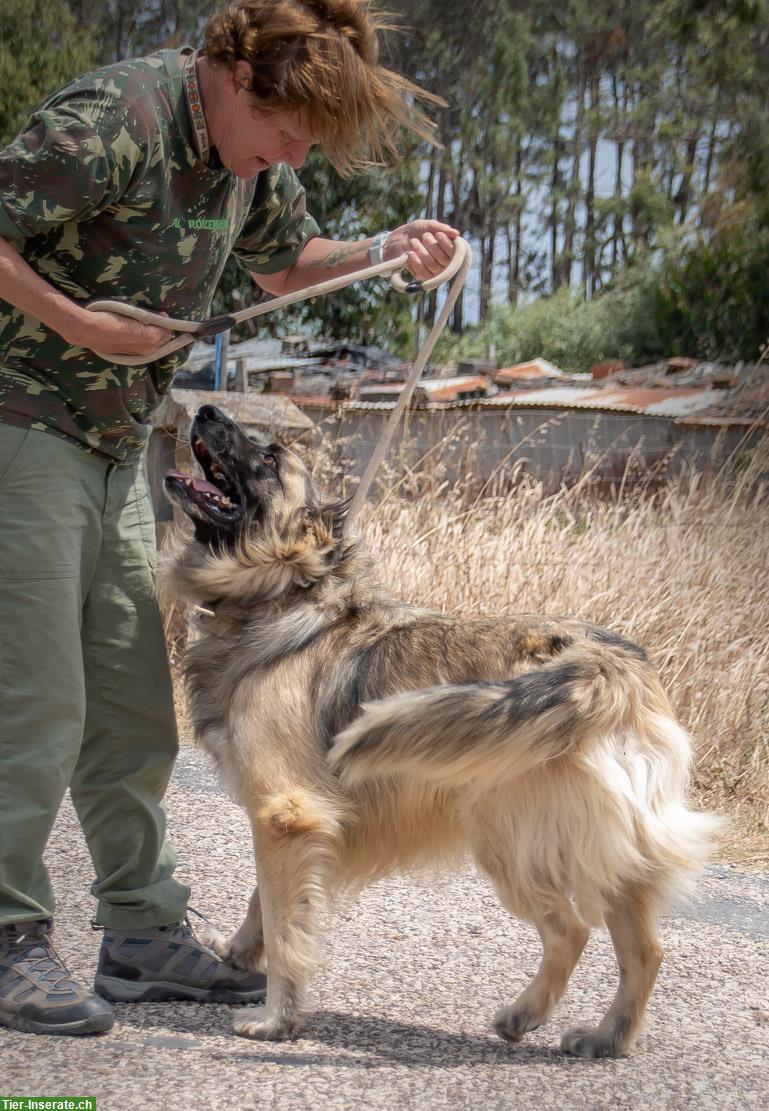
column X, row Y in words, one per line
column 218, row 351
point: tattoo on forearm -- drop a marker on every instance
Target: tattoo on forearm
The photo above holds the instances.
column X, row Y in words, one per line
column 338, row 257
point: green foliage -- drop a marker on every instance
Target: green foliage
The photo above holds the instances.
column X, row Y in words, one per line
column 563, row 328
column 650, row 209
column 711, row 298
column 40, row 50
column 703, row 297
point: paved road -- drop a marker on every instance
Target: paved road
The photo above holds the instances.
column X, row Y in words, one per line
column 412, row 974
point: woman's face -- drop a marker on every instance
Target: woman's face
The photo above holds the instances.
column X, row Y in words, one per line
column 249, row 137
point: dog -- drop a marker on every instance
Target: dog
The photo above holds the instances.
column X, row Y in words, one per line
column 363, row 735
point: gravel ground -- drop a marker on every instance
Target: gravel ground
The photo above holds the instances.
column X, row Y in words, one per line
column 412, row 973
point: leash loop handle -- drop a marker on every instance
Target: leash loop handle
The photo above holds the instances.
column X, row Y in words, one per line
column 427, row 285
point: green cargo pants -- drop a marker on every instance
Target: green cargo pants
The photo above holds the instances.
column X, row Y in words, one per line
column 85, row 691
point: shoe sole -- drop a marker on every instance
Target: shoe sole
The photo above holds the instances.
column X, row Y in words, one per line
column 131, row 991
column 94, row 1024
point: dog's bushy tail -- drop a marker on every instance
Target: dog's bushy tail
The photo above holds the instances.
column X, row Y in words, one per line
column 489, row 732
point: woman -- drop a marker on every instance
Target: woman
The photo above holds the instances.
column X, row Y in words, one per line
column 137, row 182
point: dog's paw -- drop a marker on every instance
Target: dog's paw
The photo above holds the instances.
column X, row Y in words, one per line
column 589, row 1041
column 246, row 959
column 253, row 1022
column 213, row 939
column 227, row 949
column 511, row 1023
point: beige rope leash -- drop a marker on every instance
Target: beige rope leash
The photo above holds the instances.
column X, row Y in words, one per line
column 463, row 257
column 195, row 329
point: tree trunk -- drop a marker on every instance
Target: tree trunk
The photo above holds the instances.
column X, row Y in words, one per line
column 643, row 159
column 487, row 272
column 711, row 157
column 684, row 190
column 588, row 252
column 457, row 315
column 512, row 292
column 617, row 235
column 431, row 178
column 518, row 225
column 570, row 221
column 556, row 268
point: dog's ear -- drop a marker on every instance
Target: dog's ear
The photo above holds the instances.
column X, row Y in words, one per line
column 333, row 515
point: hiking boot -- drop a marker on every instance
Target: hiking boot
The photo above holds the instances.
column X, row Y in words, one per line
column 37, row 993
column 150, row 964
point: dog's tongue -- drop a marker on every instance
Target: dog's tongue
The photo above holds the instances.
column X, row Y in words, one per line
column 200, row 484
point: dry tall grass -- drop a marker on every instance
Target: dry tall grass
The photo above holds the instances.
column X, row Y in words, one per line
column 683, row 570
column 682, row 567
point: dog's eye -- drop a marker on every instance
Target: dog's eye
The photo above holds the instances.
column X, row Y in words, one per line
column 269, row 460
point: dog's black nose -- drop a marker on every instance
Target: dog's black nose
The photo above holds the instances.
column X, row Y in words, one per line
column 210, row 413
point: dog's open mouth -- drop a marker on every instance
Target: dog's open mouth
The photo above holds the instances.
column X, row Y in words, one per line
column 217, row 495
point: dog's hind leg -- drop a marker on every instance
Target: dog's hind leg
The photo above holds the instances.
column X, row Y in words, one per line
column 294, row 838
column 632, row 924
column 564, row 935
column 563, row 939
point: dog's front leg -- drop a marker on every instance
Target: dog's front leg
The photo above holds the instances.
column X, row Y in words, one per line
column 244, row 948
column 294, row 852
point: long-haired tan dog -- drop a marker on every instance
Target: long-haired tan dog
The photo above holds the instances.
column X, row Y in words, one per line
column 362, row 735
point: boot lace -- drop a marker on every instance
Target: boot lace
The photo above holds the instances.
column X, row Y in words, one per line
column 41, row 959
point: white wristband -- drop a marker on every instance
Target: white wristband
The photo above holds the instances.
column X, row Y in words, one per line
column 376, row 250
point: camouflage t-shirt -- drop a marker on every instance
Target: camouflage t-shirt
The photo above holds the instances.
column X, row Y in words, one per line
column 105, row 195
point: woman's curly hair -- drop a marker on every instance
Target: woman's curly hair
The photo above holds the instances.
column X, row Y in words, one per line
column 320, row 58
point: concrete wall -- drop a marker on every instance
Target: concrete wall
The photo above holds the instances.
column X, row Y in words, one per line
column 552, row 445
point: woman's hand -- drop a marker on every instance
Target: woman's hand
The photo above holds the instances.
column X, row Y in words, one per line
column 107, row 333
column 430, row 246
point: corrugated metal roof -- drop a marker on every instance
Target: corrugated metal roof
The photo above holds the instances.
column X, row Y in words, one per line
column 621, row 399
column 689, row 406
column 446, row 389
column 431, row 389
column 534, row 368
column 650, row 402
